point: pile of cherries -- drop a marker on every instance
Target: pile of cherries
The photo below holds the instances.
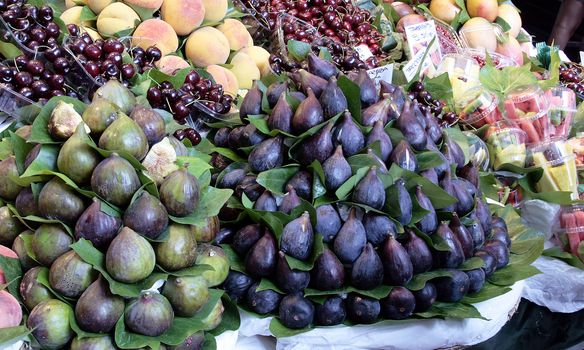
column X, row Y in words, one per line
column 338, row 20
column 419, row 93
column 572, row 76
column 32, row 26
column 186, row 100
column 104, row 59
column 190, row 134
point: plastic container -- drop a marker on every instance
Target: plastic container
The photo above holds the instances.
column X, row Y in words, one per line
column 507, row 145
column 528, row 106
column 15, row 107
column 577, row 146
column 258, row 27
column 478, row 108
column 559, row 167
column 511, row 196
column 480, row 56
column 450, row 42
column 571, row 228
column 6, row 33
column 287, row 24
column 478, row 150
column 459, row 65
column 562, row 107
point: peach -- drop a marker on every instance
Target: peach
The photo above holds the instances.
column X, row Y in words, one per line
column 215, row 10
column 155, row 32
column 224, row 77
column 486, row 9
column 206, row 46
column 510, row 15
column 260, row 56
column 510, row 47
column 92, row 33
column 244, row 69
column 184, row 16
column 145, row 4
column 236, row 33
column 479, row 34
column 10, row 309
column 71, row 3
column 73, row 16
column 444, row 10
column 115, row 18
column 169, row 64
column 98, row 5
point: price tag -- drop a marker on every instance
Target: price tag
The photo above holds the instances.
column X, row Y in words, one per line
column 364, row 52
column 411, row 68
column 582, row 57
column 384, row 73
column 419, row 37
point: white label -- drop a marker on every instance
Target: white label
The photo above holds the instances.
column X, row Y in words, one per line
column 384, row 73
column 582, row 57
column 419, row 36
column 411, row 68
column 563, row 56
column 364, row 52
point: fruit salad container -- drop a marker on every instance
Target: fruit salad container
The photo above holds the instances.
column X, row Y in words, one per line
column 528, row 107
column 480, row 56
column 577, row 145
column 559, row 167
column 16, row 108
column 571, row 228
column 478, row 150
column 562, row 108
column 459, row 65
column 507, row 144
column 478, row 108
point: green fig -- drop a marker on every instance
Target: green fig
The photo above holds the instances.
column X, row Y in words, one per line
column 161, row 160
column 206, row 232
column 147, row 216
column 19, row 247
column 115, row 180
column 99, row 115
column 129, row 258
column 32, row 291
column 63, row 121
column 70, row 275
column 98, row 310
column 214, row 318
column 93, row 343
column 49, row 324
column 178, row 250
column 58, row 201
column 8, row 188
column 150, row 314
column 179, row 193
column 215, row 257
column 187, row 295
column 117, row 94
column 76, row 158
column 124, row 134
column 151, row 123
column 49, row 242
column 25, row 203
column 10, row 227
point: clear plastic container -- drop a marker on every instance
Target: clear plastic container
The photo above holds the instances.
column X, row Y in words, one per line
column 6, row 33
column 507, row 143
column 16, row 107
column 525, row 102
column 511, row 196
column 478, row 150
column 562, row 107
column 287, row 24
column 571, row 227
column 480, row 56
column 478, row 108
column 559, row 167
column 258, row 26
column 459, row 65
column 450, row 42
column 577, row 146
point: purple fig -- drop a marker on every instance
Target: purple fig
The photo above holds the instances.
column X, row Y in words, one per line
column 308, row 114
column 397, row 266
column 290, row 201
column 351, row 239
column 147, row 216
column 290, row 280
column 309, row 81
column 349, row 135
column 332, row 99
column 367, row 87
column 281, row 116
column 221, row 138
column 378, row 134
column 370, row 190
column 378, row 228
column 58, row 201
column 321, row 68
column 463, row 235
column 328, row 272
column 418, row 251
column 252, row 102
column 98, row 310
column 317, row 147
column 115, row 180
column 180, row 193
column 404, row 157
column 261, row 258
column 411, row 127
column 336, row 170
column 429, row 223
column 97, row 226
column 150, row 314
column 267, row 155
column 275, row 91
column 367, row 270
column 453, row 257
column 302, row 184
column 328, row 222
column 298, row 237
column 266, row 202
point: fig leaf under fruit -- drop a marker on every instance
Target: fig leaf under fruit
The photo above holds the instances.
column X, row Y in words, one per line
column 210, row 202
column 40, row 130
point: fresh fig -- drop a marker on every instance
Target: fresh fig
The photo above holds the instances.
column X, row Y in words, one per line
column 250, row 187
column 115, row 180
column 149, row 314
column 281, row 116
column 399, row 304
column 308, row 81
column 470, row 172
column 49, row 324
column 25, row 203
column 308, row 114
column 465, row 199
column 489, row 262
column 129, row 258
column 179, row 250
column 429, row 223
column 316, row 147
column 411, row 128
column 290, row 280
column 350, row 240
column 321, row 67
column 97, row 343
column 151, row 123
column 49, row 242
column 236, row 285
column 348, row 135
column 97, row 226
column 186, row 294
column 463, row 236
column 378, row 112
column 477, row 234
column 378, row 134
column 367, row 88
column 76, row 158
column 261, row 258
column 476, row 279
column 290, row 201
column 252, row 102
column 180, row 193
column 235, row 137
column 328, row 222
column 498, row 222
column 332, row 99
column 331, row 312
column 246, row 237
column 262, row 302
column 8, row 188
column 296, row 311
column 452, row 288
column 221, row 138
column 367, row 270
column 420, row 254
column 425, row 297
column 267, row 155
column 499, row 251
column 125, row 135
column 19, row 247
column 370, row 190
column 98, row 310
column 299, row 96
column 336, row 170
column 58, row 201
column 213, row 256
column 275, row 91
column 433, row 129
column 430, row 175
column 99, row 115
column 502, row 236
column 224, row 236
column 214, row 318
column 117, row 94
column 32, row 291
column 251, row 136
column 448, row 187
column 298, row 237
column 397, row 266
column 302, row 184
column 483, row 215
column 453, row 152
column 378, row 228
column 361, row 309
column 266, row 202
column 70, row 275
column 63, row 121
column 328, row 272
column 161, row 159
column 147, row 216
column 10, row 226
column 399, row 202
column 454, row 256
column 206, row 232
column 404, row 157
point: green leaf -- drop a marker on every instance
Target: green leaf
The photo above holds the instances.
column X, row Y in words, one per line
column 275, row 179
column 353, row 94
column 512, row 273
column 21, row 149
column 5, row 148
column 11, row 335
column 211, row 201
column 298, row 50
column 419, row 281
column 471, row 264
column 43, row 278
column 40, row 132
column 45, row 161
column 504, row 25
column 489, row 291
column 378, row 292
column 235, row 261
column 428, row 159
column 267, row 284
column 9, row 50
column 554, row 69
column 196, row 166
column 347, row 187
column 451, row 310
column 507, row 79
column 556, row 252
column 317, row 249
column 12, row 273
column 86, row 14
column 278, row 330
column 439, row 87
